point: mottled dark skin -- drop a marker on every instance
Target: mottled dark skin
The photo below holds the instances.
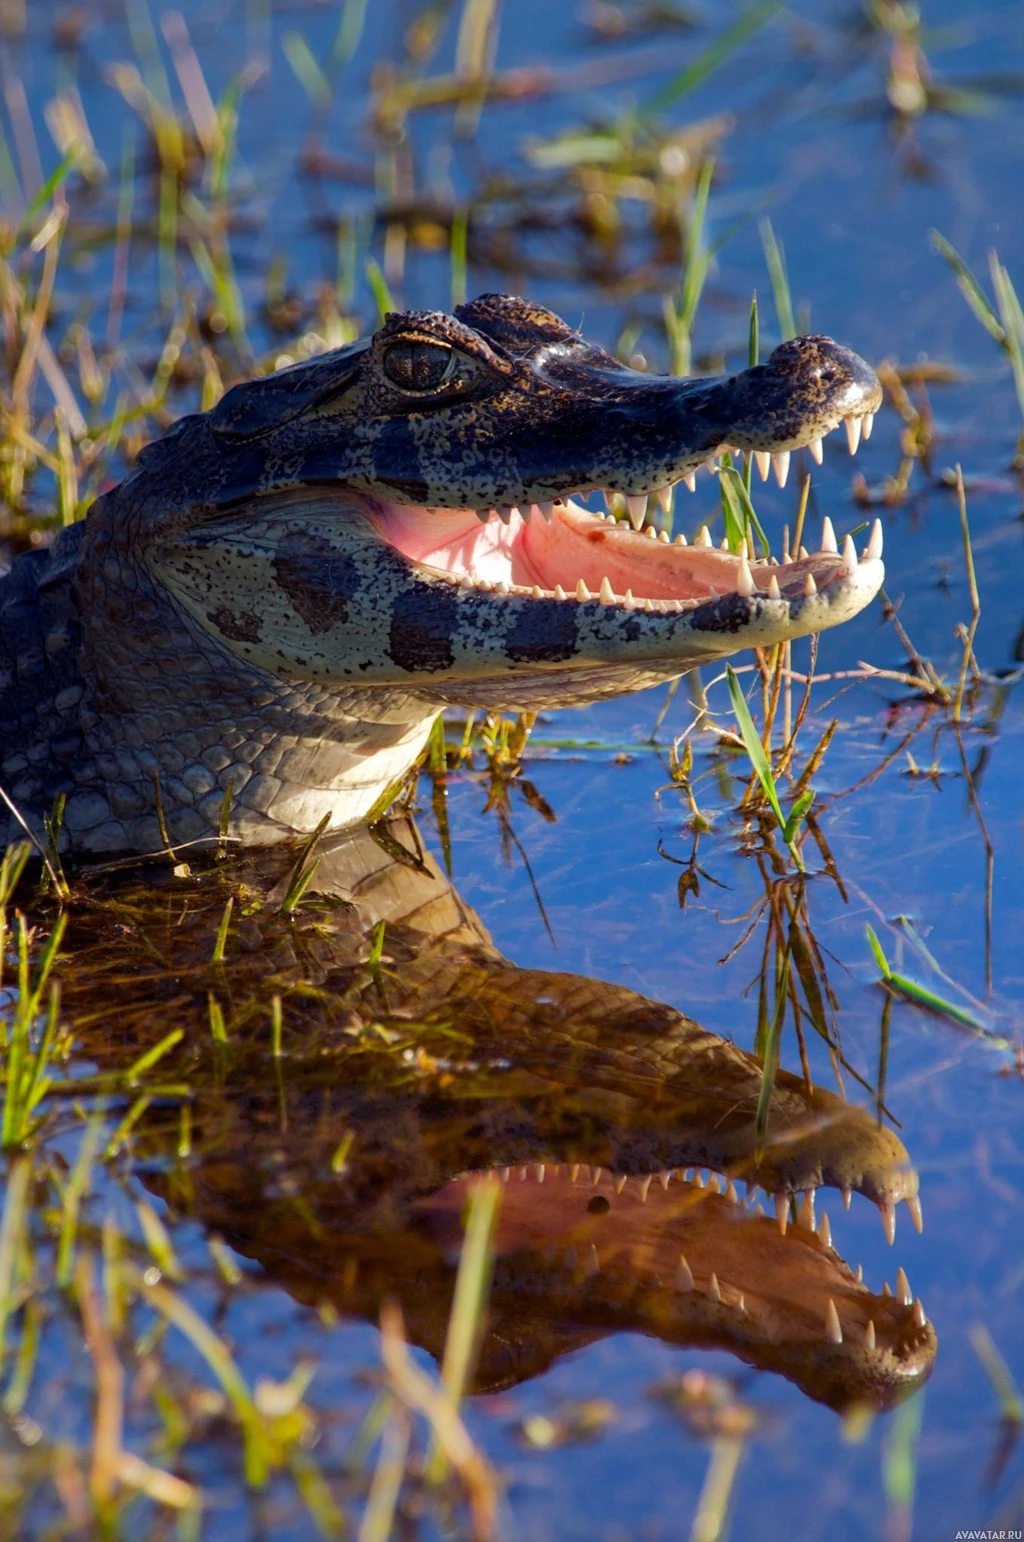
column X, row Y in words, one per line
column 236, row 619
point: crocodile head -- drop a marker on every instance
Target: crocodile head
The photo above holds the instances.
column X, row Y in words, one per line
column 286, row 590
column 401, row 512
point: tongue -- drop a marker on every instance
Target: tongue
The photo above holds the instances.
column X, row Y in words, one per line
column 574, row 547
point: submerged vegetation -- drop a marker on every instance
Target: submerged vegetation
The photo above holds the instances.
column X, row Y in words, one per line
column 150, row 1373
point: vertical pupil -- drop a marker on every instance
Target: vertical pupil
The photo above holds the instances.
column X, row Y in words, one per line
column 418, row 366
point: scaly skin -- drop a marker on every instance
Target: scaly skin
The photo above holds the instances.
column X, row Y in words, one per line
column 285, row 591
column 446, row 1061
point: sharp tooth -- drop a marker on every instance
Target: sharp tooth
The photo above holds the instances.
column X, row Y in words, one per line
column 650, row 532
column 537, row 592
column 828, row 537
column 627, row 599
column 690, row 481
column 523, row 1171
column 665, row 1178
column 698, row 1178
column 502, row 586
column 703, row 537
column 873, row 550
column 869, row 1335
column 731, row 1194
column 547, row 510
column 723, row 544
column 847, row 1196
column 684, row 1278
column 605, row 593
column 764, row 463
column 859, row 1275
column 782, row 1211
column 559, row 592
column 714, row 1184
column 780, row 465
column 582, row 592
column 574, row 1172
column 803, row 554
column 664, row 499
column 825, row 1231
column 483, row 515
column 664, row 537
column 833, row 1327
column 920, row 1320
column 714, row 1293
column 889, row 1221
column 867, row 423
column 914, row 1206
column 596, row 1178
column 904, row 1294
column 885, row 1288
column 852, row 426
column 817, row 450
column 637, row 508
column 744, row 578
column 741, row 1304
column 538, row 1172
column 505, row 512
column 644, row 1185
column 524, row 514
column 810, row 587
column 806, row 1212
column 774, row 592
column 620, row 1182
column 592, row 1264
column 849, row 557
column 506, row 1173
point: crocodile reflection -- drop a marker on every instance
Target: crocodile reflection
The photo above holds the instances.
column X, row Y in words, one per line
column 342, row 1167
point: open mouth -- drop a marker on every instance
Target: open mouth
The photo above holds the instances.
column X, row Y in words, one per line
column 559, row 550
column 728, row 1275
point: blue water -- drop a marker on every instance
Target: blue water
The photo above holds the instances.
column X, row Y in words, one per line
column 814, row 147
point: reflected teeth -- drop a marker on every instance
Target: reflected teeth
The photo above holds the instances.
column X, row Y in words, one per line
column 873, row 550
column 817, row 450
column 852, row 426
column 780, row 465
column 637, row 509
column 828, row 537
column 833, row 1327
column 764, row 463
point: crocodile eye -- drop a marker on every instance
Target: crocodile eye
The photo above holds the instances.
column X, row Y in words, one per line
column 417, row 366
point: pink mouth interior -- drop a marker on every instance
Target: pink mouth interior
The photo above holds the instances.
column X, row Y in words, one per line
column 575, row 545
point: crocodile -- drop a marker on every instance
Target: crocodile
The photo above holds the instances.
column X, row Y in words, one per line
column 253, row 633
column 617, row 1127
